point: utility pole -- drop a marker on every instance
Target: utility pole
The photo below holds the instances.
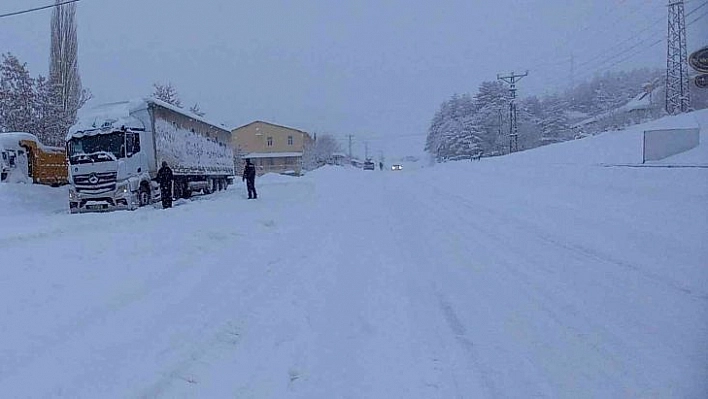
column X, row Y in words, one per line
column 366, row 151
column 513, row 128
column 350, row 136
column 678, row 98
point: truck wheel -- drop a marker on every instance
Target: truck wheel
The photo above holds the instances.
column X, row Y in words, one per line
column 144, row 195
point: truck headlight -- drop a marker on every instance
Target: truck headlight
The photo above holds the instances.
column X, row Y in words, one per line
column 72, row 194
column 122, row 188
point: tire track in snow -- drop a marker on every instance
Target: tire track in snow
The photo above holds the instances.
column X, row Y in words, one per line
column 452, row 350
column 609, row 346
column 592, row 254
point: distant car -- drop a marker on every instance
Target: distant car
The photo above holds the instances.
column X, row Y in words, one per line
column 396, row 167
column 368, row 165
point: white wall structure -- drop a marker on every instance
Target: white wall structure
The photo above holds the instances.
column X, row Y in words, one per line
column 659, row 144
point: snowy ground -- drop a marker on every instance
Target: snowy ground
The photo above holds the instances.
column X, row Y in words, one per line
column 542, row 274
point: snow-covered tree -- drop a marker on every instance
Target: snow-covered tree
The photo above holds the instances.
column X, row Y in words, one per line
column 167, row 93
column 492, row 102
column 453, row 129
column 554, row 121
column 435, row 138
column 17, row 96
column 320, row 151
column 50, row 120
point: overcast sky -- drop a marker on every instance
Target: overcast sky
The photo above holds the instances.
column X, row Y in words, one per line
column 375, row 69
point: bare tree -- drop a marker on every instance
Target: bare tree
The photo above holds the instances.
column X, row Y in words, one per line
column 167, row 93
column 64, row 66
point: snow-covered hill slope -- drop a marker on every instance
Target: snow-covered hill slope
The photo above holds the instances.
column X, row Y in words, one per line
column 542, row 274
column 622, row 147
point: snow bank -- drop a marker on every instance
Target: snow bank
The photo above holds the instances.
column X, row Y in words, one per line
column 30, row 201
column 622, row 147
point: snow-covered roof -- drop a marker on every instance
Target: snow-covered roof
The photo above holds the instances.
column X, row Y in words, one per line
column 272, row 124
column 272, row 155
column 641, row 101
column 186, row 113
column 12, row 140
column 575, row 115
column 106, row 118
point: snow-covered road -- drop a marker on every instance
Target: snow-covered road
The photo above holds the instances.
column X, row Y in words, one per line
column 484, row 279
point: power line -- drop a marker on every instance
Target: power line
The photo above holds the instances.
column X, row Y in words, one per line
column 37, row 9
column 698, row 17
column 614, row 21
column 630, row 55
column 625, row 54
column 635, row 45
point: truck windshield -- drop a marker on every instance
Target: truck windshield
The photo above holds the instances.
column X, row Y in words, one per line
column 99, row 148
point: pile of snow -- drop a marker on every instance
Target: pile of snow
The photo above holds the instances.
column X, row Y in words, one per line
column 31, row 200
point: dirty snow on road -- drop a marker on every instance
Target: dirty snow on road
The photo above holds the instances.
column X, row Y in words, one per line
column 549, row 275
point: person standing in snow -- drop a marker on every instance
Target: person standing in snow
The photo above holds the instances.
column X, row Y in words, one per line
column 249, row 176
column 165, row 177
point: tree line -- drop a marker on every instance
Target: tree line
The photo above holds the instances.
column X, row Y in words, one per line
column 45, row 106
column 466, row 126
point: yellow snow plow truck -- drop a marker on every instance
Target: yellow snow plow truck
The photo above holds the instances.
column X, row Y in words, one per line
column 24, row 159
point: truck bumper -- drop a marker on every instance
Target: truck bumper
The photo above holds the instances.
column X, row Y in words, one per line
column 102, row 204
column 121, row 199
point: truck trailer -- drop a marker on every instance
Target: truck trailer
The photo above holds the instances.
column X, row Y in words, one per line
column 115, row 152
column 23, row 158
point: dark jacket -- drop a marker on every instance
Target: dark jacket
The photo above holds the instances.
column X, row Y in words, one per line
column 249, row 172
column 164, row 176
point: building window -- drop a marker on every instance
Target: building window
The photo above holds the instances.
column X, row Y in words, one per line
column 290, row 140
column 270, row 141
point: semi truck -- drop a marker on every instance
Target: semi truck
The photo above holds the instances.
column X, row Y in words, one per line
column 23, row 158
column 116, row 150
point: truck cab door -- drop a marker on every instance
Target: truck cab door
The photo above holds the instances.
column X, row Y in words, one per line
column 134, row 155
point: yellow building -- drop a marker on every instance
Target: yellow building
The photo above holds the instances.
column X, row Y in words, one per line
column 272, row 148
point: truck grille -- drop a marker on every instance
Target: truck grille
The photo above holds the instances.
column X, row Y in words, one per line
column 95, row 183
